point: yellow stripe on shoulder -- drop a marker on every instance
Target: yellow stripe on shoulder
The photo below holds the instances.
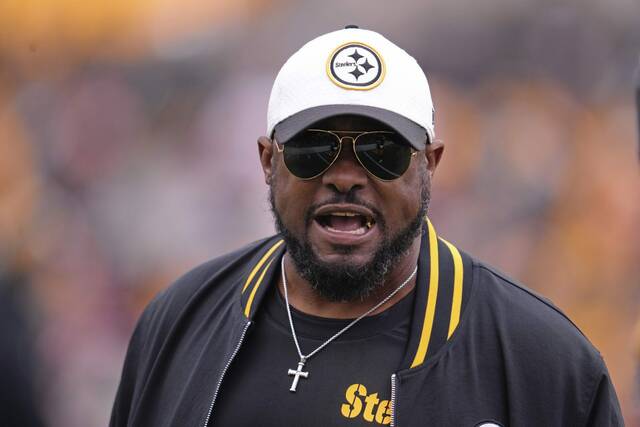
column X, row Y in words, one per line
column 432, row 297
column 458, row 276
column 260, row 263
column 247, row 310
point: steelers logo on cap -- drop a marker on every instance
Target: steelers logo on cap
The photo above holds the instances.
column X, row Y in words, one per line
column 356, row 66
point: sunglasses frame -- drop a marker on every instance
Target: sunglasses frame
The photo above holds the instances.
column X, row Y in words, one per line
column 335, row 133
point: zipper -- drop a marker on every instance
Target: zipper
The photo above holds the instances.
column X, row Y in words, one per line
column 393, row 400
column 224, row 371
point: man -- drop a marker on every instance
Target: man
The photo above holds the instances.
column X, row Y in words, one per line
column 356, row 313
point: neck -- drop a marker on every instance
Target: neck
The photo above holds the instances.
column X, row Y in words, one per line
column 304, row 298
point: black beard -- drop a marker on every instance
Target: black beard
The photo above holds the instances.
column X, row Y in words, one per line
column 349, row 282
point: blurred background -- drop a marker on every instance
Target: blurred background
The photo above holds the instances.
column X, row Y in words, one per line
column 128, row 155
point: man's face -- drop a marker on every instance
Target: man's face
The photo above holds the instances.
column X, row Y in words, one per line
column 346, row 228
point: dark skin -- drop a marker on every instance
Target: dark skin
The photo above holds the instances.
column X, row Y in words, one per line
column 398, row 202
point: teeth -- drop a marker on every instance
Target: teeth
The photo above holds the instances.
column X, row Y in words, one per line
column 368, row 224
column 357, row 232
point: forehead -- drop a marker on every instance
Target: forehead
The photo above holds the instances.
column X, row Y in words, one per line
column 350, row 122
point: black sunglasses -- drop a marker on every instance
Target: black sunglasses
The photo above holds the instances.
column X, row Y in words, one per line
column 384, row 154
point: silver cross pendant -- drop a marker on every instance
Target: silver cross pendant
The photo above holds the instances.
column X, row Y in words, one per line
column 297, row 373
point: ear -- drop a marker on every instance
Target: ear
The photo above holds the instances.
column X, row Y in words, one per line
column 265, row 151
column 433, row 152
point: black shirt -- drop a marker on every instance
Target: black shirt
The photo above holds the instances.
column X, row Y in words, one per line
column 349, row 382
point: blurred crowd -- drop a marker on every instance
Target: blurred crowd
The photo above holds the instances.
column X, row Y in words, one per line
column 128, row 155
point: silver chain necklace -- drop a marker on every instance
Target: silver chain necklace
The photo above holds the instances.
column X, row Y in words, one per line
column 297, row 373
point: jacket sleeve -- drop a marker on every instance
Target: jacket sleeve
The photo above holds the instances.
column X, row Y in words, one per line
column 604, row 409
column 131, row 380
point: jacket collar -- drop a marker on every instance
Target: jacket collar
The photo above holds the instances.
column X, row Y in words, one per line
column 442, row 291
column 261, row 273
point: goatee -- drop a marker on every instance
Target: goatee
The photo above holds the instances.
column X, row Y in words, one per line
column 347, row 281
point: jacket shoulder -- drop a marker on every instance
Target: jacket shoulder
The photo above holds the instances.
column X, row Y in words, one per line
column 530, row 326
column 524, row 311
column 211, row 286
column 216, row 275
column 539, row 347
column 172, row 313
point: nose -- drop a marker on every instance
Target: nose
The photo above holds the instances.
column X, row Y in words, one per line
column 346, row 173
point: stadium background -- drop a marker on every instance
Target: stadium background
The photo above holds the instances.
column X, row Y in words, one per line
column 128, row 155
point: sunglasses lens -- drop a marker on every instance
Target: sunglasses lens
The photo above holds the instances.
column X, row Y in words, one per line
column 383, row 155
column 310, row 153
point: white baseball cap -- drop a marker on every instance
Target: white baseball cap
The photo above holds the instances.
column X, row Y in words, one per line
column 352, row 71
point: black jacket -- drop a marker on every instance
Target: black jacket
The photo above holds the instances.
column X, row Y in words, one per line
column 482, row 348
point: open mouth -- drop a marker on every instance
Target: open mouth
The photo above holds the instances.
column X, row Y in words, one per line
column 345, row 221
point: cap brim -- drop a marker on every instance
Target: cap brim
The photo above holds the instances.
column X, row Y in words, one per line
column 415, row 134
